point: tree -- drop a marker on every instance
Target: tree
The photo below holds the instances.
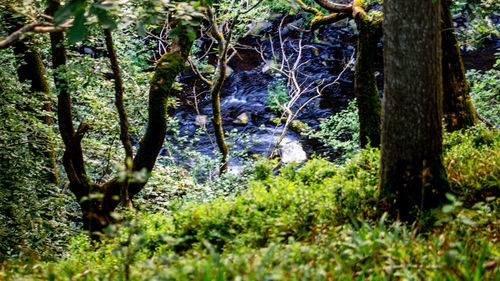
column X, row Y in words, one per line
column 458, row 109
column 31, row 70
column 222, row 30
column 98, row 200
column 365, row 82
column 413, row 178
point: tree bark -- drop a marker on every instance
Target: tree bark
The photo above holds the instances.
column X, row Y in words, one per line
column 98, row 201
column 413, row 178
column 458, row 109
column 120, row 107
column 365, row 82
column 218, row 82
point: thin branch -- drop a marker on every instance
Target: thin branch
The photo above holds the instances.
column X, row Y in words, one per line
column 119, row 92
column 39, row 27
column 198, row 73
column 334, row 7
column 251, row 8
column 12, row 38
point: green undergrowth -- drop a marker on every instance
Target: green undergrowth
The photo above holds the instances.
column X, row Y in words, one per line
column 317, row 221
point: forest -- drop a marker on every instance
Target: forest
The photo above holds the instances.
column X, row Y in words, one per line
column 250, row 140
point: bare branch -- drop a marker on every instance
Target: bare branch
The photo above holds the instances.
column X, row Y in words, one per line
column 334, row 7
column 198, row 73
column 39, row 27
column 11, row 39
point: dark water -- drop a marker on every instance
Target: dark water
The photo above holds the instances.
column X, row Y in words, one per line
column 245, row 90
column 325, row 54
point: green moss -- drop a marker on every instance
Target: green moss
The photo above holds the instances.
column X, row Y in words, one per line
column 365, row 84
column 167, row 68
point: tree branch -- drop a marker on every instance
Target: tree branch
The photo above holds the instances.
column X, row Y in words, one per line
column 119, row 91
column 334, row 7
column 39, row 27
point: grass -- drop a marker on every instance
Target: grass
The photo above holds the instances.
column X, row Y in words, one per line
column 316, row 222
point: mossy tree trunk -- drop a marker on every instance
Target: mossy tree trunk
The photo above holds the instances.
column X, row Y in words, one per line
column 32, row 70
column 98, row 201
column 458, row 109
column 413, row 178
column 218, row 82
column 120, row 108
column 365, row 81
column 365, row 84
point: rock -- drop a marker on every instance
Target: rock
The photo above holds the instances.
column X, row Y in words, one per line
column 201, row 120
column 207, row 68
column 292, row 152
column 299, row 127
column 229, row 71
column 242, row 119
column 270, row 67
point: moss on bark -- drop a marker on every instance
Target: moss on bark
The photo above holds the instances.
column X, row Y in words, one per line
column 365, row 82
column 458, row 110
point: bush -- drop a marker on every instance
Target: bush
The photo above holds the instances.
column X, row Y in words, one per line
column 473, row 162
column 310, row 222
column 278, row 96
column 340, row 131
column 485, row 94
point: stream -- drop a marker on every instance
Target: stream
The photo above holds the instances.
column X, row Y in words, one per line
column 244, row 96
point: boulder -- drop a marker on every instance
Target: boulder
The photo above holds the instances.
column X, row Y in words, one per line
column 292, row 152
column 242, row 119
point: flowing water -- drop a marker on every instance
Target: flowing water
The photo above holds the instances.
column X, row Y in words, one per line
column 244, row 96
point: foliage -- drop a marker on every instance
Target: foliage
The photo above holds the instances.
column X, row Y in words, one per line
column 473, row 162
column 315, row 223
column 34, row 214
column 278, row 96
column 340, row 131
column 485, row 94
column 479, row 25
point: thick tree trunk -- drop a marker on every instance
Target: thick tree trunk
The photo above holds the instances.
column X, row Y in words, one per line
column 32, row 70
column 413, row 178
column 365, row 82
column 458, row 110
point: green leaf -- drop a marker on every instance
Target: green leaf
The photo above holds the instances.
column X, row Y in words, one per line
column 451, row 197
column 103, row 16
column 69, row 9
column 78, row 31
column 141, row 29
column 448, row 209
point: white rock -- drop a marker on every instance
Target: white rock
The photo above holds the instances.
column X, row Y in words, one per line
column 201, row 120
column 292, row 152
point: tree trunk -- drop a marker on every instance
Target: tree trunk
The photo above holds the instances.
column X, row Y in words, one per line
column 218, row 82
column 98, row 201
column 216, row 112
column 413, row 178
column 458, row 110
column 31, row 69
column 365, row 82
column 120, row 107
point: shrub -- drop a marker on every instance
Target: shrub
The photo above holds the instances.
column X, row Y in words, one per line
column 278, row 96
column 340, row 131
